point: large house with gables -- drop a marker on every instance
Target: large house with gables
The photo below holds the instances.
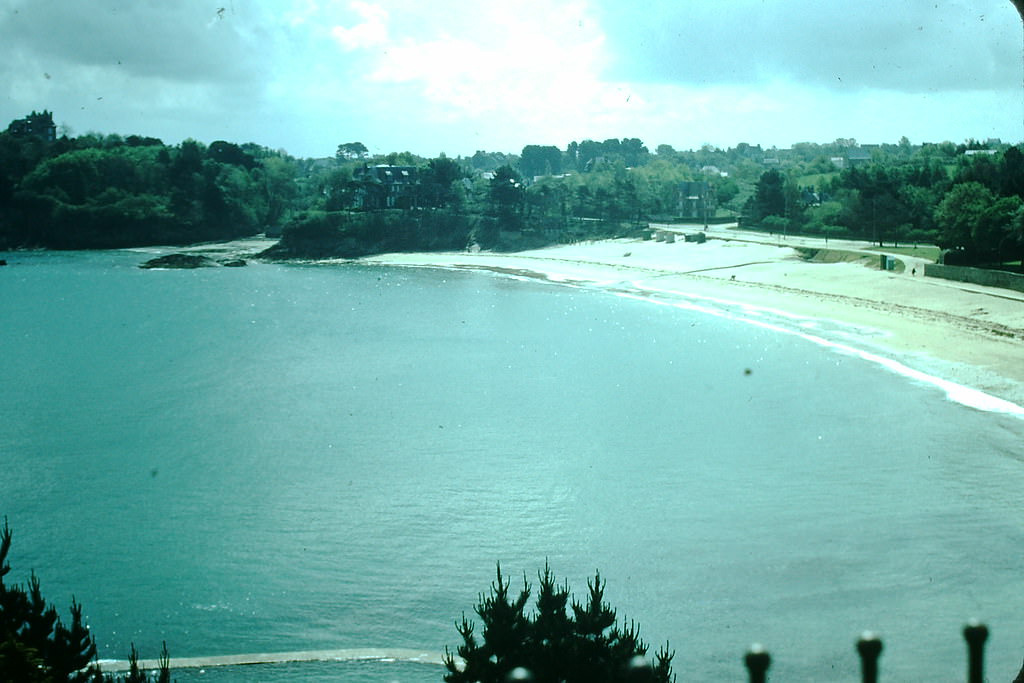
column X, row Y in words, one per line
column 37, row 125
column 386, row 187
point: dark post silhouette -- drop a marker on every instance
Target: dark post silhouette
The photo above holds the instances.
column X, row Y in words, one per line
column 758, row 661
column 869, row 647
column 975, row 634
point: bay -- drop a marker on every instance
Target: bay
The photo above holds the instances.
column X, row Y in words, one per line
column 281, row 458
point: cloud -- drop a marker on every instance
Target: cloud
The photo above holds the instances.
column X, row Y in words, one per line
column 372, row 31
column 910, row 46
column 174, row 41
column 172, row 70
column 459, row 75
column 526, row 63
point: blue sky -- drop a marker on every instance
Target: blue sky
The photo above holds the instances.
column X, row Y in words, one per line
column 457, row 76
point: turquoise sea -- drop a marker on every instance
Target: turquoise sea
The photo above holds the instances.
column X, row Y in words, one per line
column 294, row 458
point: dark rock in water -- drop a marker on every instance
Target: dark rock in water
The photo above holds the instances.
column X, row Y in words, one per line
column 234, row 263
column 179, row 261
column 3, row 262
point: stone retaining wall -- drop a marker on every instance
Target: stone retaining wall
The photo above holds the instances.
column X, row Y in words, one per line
column 977, row 276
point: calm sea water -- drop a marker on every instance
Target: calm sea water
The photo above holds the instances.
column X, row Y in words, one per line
column 282, row 458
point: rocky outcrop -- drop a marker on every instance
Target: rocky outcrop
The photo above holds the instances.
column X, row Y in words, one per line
column 179, row 261
column 192, row 261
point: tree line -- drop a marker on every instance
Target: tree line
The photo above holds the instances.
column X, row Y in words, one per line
column 110, row 191
column 104, row 192
column 969, row 204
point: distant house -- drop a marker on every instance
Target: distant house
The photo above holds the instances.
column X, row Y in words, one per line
column 696, row 200
column 808, row 197
column 37, row 125
column 386, row 187
column 857, row 156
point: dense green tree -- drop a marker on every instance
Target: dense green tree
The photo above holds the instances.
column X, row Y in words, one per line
column 1014, row 242
column 506, row 194
column 1011, row 173
column 338, row 189
column 351, row 150
column 490, row 161
column 588, row 153
column 401, row 159
column 440, row 183
column 559, row 641
column 540, row 160
column 726, row 189
column 229, row 153
column 769, row 196
column 276, row 177
column 633, row 151
column 547, row 202
column 99, row 196
column 352, row 234
column 658, row 186
column 667, row 152
column 959, row 212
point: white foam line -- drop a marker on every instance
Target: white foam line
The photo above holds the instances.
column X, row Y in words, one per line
column 957, row 393
column 342, row 655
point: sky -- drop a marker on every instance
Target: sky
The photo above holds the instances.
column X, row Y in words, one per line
column 457, row 76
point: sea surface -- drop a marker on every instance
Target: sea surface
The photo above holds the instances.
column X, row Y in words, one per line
column 286, row 458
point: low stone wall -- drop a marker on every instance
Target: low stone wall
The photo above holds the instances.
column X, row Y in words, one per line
column 977, row 276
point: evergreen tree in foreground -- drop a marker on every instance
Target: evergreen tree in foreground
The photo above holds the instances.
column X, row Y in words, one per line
column 559, row 641
column 37, row 647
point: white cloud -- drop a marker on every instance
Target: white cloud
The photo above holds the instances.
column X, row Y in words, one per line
column 372, row 31
column 528, row 64
column 461, row 75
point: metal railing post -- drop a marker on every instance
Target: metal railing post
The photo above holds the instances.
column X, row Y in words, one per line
column 975, row 634
column 869, row 647
column 639, row 670
column 519, row 675
column 758, row 661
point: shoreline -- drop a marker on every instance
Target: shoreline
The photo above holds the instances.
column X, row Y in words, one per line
column 955, row 336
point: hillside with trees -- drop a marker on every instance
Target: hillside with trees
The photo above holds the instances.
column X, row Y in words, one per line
column 111, row 191
column 967, row 203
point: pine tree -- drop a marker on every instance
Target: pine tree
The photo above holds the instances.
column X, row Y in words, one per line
column 584, row 644
column 36, row 646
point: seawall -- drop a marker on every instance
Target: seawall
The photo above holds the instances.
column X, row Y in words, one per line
column 977, row 276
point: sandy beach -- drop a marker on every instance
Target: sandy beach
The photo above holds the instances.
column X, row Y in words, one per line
column 965, row 334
